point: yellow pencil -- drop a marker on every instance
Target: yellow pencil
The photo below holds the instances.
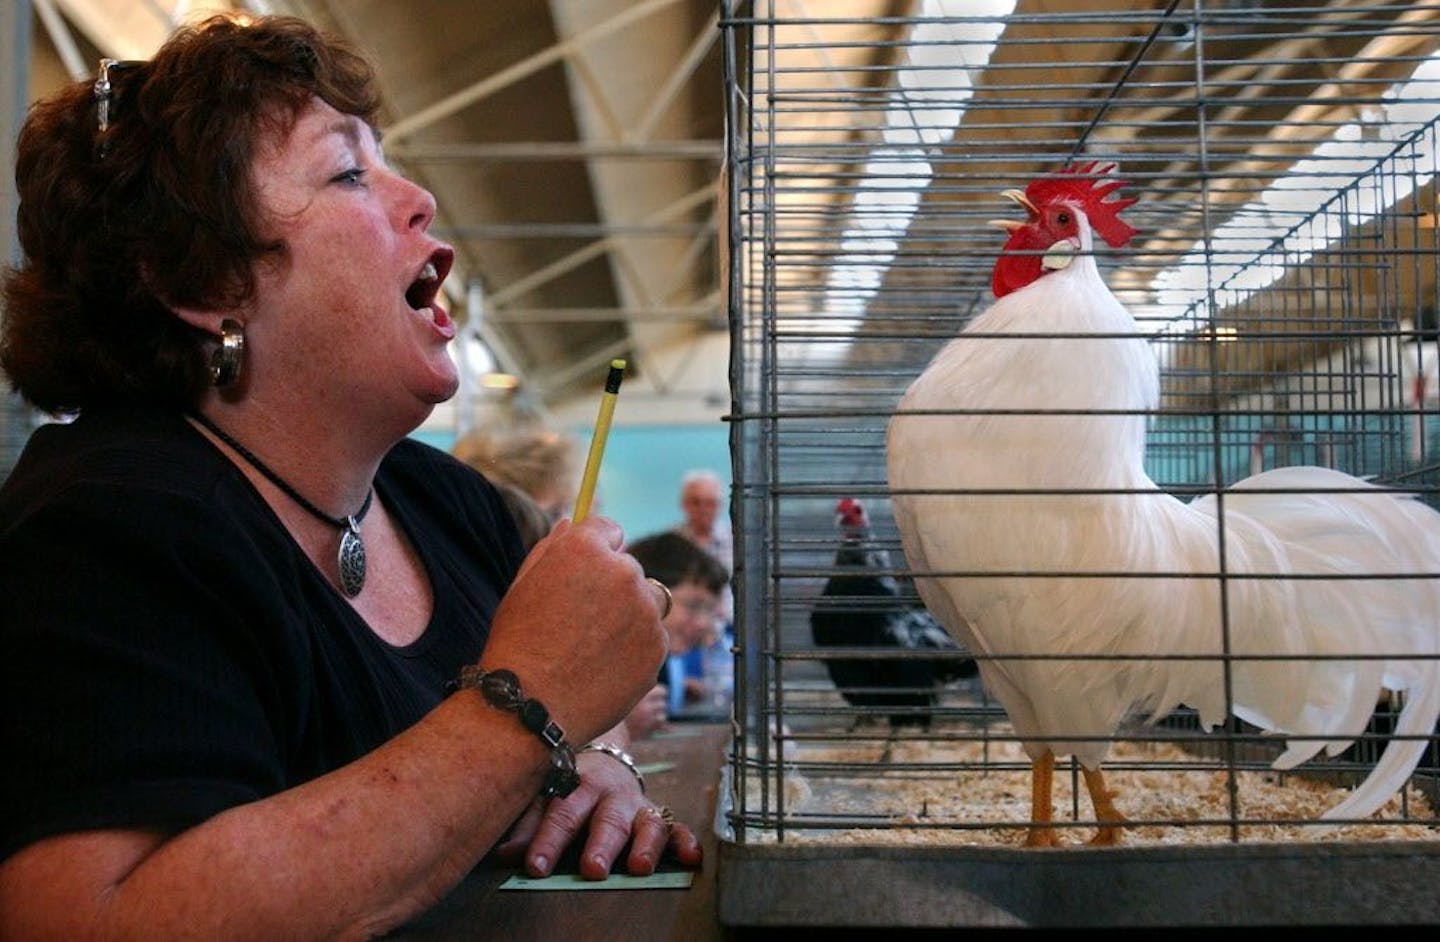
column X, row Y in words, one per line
column 597, row 443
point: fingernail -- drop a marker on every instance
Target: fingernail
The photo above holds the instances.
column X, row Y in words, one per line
column 541, row 866
column 600, row 862
column 648, row 860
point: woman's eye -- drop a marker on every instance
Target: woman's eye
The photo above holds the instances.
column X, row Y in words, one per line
column 352, row 176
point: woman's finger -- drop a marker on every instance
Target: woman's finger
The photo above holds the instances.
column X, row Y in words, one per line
column 610, row 830
column 650, row 834
column 562, row 821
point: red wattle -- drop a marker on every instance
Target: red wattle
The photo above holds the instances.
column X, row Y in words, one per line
column 1013, row 272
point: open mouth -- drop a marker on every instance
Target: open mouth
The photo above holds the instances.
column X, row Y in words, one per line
column 422, row 293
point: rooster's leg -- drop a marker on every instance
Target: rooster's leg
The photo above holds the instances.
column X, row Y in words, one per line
column 1106, row 813
column 1042, row 779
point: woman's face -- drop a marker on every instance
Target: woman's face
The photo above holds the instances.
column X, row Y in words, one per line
column 347, row 320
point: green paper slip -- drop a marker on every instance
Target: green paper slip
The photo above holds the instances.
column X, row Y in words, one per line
column 654, row 768
column 673, row 880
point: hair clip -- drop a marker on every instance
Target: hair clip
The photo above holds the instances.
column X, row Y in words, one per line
column 103, row 93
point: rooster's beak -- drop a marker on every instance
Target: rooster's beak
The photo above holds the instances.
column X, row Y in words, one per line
column 1024, row 201
column 1009, row 225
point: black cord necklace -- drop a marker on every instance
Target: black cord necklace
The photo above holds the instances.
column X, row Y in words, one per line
column 352, row 548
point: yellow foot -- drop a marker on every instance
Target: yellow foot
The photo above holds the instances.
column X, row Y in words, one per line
column 1042, row 837
column 1106, row 837
column 1110, row 818
column 1042, row 774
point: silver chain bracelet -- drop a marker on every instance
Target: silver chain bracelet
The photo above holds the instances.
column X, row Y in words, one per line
column 621, row 756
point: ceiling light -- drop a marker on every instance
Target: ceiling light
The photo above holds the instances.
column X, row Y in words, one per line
column 499, row 381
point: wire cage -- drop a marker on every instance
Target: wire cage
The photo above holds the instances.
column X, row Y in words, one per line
column 1284, row 157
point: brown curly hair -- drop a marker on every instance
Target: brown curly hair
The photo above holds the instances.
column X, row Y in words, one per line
column 166, row 212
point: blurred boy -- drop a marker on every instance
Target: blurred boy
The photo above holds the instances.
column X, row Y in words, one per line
column 696, row 581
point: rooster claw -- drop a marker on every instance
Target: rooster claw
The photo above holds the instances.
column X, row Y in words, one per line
column 1106, row 837
column 1042, row 837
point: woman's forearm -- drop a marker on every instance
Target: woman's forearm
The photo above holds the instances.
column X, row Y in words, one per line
column 347, row 855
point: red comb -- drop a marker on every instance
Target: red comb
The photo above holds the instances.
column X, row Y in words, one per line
column 850, row 511
column 1092, row 187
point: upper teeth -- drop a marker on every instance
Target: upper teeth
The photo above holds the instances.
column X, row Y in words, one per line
column 428, row 273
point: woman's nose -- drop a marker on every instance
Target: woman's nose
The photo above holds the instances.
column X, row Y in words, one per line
column 418, row 204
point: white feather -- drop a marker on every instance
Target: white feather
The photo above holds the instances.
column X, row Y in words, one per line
column 1160, row 594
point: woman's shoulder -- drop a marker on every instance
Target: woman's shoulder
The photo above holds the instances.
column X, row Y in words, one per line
column 126, row 455
column 129, row 483
column 113, row 501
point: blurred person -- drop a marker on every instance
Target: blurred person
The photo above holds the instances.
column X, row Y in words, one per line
column 702, row 495
column 696, row 581
column 650, row 715
column 530, row 518
column 543, row 463
column 701, row 500
column 274, row 668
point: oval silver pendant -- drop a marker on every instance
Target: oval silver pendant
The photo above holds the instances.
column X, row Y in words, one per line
column 352, row 562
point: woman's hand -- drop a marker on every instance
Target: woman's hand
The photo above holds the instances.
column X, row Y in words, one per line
column 612, row 812
column 580, row 602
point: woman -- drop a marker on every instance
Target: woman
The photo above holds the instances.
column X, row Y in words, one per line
column 233, row 594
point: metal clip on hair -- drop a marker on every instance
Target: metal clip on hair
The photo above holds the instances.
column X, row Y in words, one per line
column 104, row 92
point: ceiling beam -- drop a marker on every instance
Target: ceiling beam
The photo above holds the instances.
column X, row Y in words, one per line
column 571, row 230
column 702, row 313
column 708, row 35
column 61, row 38
column 591, row 362
column 558, row 150
column 581, row 256
column 529, row 66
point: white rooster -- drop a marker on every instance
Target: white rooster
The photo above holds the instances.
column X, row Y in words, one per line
column 1076, row 553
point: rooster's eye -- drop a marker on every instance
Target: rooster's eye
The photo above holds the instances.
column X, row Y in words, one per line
column 1063, row 219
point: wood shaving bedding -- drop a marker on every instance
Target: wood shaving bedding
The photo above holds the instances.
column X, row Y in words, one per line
column 1160, row 787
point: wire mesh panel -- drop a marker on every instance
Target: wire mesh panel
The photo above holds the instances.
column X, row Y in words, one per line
column 1282, row 157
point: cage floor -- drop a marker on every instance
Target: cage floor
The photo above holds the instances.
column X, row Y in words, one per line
column 927, row 887
column 925, row 832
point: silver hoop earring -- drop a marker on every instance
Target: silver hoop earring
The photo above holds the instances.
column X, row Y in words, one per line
column 225, row 361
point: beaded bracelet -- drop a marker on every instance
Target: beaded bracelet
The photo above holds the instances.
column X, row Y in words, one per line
column 621, row 756
column 501, row 689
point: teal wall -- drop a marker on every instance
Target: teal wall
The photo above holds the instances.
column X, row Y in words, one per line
column 640, row 473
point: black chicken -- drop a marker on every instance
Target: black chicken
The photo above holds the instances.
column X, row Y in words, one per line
column 862, row 606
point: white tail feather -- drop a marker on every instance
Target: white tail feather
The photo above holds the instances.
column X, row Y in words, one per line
column 1417, row 718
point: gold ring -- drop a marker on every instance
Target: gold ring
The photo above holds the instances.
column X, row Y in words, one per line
column 669, row 599
column 666, row 816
